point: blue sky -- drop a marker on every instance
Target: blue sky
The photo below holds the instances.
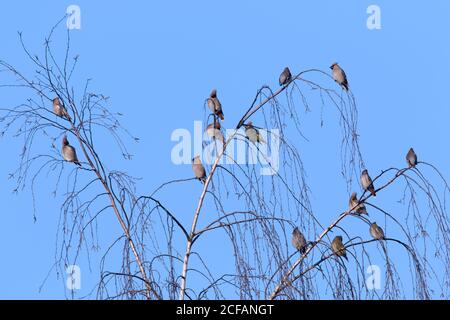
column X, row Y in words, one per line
column 158, row 62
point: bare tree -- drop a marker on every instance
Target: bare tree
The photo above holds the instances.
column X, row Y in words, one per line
column 258, row 230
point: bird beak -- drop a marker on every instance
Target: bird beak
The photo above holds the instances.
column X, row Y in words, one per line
column 331, row 67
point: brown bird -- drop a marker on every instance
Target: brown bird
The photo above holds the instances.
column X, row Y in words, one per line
column 366, row 182
column 214, row 104
column 376, row 232
column 252, row 134
column 298, row 241
column 355, row 205
column 338, row 247
column 59, row 109
column 339, row 76
column 69, row 153
column 213, row 131
column 411, row 158
column 199, row 169
column 285, row 77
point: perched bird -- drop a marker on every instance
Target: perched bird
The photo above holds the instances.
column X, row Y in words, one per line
column 213, row 131
column 298, row 241
column 285, row 77
column 366, row 182
column 59, row 109
column 355, row 205
column 338, row 247
column 199, row 169
column 411, row 158
column 214, row 104
column 339, row 76
column 376, row 232
column 252, row 134
column 69, row 153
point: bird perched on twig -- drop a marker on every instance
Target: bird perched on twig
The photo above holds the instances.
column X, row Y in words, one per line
column 367, row 183
column 199, row 169
column 253, row 134
column 285, row 77
column 69, row 153
column 59, row 109
column 214, row 104
column 299, row 241
column 338, row 247
column 355, row 205
column 411, row 158
column 376, row 232
column 213, row 131
column 339, row 76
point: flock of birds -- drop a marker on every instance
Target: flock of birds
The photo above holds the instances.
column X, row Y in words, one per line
column 355, row 206
column 252, row 134
column 68, row 152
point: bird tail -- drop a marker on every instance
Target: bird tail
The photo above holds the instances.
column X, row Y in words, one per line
column 261, row 139
column 345, row 86
column 372, row 191
column 65, row 114
column 77, row 163
column 221, row 116
column 362, row 211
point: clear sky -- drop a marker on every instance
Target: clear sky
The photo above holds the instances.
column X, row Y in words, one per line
column 158, row 61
